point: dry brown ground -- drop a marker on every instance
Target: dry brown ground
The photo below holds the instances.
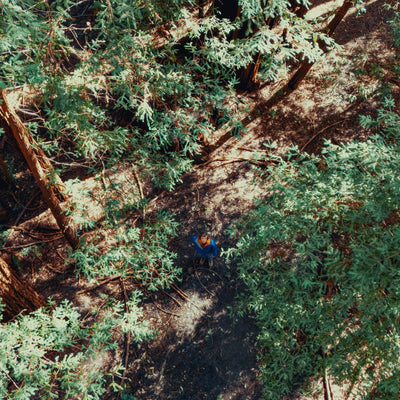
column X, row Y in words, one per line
column 202, row 351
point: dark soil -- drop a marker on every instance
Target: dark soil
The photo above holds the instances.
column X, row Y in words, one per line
column 202, row 351
column 206, row 355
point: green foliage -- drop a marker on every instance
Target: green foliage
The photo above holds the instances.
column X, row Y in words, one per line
column 117, row 16
column 114, row 72
column 395, row 25
column 165, row 94
column 42, row 354
column 110, row 88
column 328, row 221
column 225, row 54
column 319, row 257
column 138, row 253
column 165, row 99
column 30, row 33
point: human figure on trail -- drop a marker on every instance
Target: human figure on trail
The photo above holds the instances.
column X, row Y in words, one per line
column 205, row 248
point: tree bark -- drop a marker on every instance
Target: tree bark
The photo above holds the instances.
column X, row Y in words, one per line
column 231, row 9
column 40, row 168
column 248, row 75
column 45, row 163
column 201, row 5
column 328, row 395
column 299, row 9
column 340, row 14
column 15, row 294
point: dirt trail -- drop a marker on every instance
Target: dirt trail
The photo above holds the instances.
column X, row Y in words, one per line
column 202, row 351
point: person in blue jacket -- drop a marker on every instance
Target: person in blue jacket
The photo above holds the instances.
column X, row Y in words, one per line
column 205, row 247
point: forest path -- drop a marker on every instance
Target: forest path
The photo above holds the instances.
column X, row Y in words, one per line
column 202, row 351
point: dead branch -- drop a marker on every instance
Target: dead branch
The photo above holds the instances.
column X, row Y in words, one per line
column 128, row 334
column 327, row 387
column 322, row 131
column 167, row 312
column 226, row 161
column 139, row 183
column 31, row 244
column 203, row 286
column 177, row 290
column 40, row 235
column 101, row 283
column 163, row 367
column 212, row 272
column 173, row 298
column 54, row 269
column 26, row 207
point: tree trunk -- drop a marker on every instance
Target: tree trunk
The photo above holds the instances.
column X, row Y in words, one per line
column 248, row 75
column 301, row 73
column 201, row 5
column 299, row 9
column 328, row 395
column 39, row 168
column 45, row 163
column 340, row 14
column 231, row 9
column 16, row 295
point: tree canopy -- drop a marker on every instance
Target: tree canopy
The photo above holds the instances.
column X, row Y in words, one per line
column 319, row 256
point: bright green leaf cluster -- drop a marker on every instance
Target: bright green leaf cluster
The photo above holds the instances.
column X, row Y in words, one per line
column 42, row 354
column 141, row 254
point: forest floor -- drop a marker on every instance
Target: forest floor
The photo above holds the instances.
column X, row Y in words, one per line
column 202, row 351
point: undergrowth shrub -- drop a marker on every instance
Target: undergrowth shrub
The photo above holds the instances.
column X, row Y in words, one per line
column 139, row 253
column 56, row 353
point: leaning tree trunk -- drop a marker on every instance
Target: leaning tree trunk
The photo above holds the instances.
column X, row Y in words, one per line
column 248, row 75
column 301, row 73
column 16, row 295
column 201, row 5
column 39, row 170
column 231, row 10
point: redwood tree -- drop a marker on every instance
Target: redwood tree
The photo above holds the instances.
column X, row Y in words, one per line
column 41, row 170
column 15, row 294
column 259, row 29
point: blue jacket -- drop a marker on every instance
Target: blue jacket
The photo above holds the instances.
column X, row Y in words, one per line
column 208, row 251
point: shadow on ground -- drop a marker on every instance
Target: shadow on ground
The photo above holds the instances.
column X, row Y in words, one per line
column 202, row 351
column 205, row 353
